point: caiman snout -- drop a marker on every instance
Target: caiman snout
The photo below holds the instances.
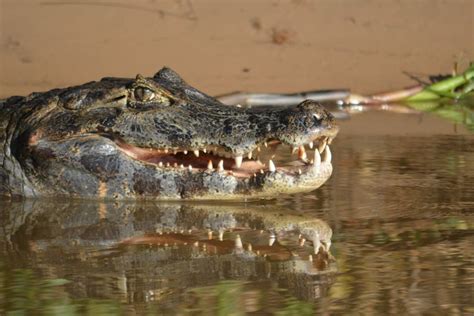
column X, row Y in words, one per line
column 308, row 122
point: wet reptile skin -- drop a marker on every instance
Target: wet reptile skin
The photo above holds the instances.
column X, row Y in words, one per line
column 74, row 142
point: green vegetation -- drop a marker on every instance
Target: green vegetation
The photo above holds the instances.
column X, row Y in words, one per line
column 455, row 87
column 460, row 111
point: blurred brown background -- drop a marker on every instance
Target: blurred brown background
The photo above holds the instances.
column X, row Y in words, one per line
column 223, row 46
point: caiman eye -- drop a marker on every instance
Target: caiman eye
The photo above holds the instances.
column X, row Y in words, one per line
column 143, row 94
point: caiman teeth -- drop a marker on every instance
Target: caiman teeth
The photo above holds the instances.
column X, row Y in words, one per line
column 302, row 153
column 327, row 156
column 271, row 166
column 238, row 161
column 220, row 159
column 238, row 242
column 322, row 145
column 317, row 158
column 271, row 239
column 220, row 166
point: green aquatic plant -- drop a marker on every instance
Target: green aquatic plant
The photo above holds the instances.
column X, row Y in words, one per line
column 453, row 87
column 460, row 111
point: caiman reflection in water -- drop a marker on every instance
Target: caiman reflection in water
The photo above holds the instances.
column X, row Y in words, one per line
column 138, row 251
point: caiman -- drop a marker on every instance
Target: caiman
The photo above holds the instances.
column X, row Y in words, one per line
column 157, row 138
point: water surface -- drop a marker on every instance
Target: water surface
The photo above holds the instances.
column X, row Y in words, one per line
column 400, row 204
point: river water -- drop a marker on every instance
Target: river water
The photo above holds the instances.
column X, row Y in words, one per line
column 400, row 204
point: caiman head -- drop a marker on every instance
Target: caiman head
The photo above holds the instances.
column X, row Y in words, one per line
column 160, row 138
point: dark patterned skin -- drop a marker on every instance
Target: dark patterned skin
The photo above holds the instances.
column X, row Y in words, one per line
column 155, row 138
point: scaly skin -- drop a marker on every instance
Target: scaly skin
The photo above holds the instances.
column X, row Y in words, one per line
column 140, row 138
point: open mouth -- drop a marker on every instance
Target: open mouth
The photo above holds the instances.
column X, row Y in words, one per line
column 216, row 158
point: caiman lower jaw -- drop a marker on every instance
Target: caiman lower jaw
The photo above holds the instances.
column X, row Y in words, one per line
column 217, row 159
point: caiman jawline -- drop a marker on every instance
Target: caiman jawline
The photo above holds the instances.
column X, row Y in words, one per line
column 216, row 158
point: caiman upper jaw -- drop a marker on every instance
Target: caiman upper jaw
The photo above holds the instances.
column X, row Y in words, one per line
column 307, row 124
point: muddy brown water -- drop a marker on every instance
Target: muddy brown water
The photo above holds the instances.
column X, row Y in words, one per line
column 400, row 204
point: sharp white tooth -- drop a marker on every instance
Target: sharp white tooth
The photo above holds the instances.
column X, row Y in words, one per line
column 322, row 145
column 160, row 164
column 311, row 145
column 175, row 165
column 266, row 144
column 238, row 161
column 209, row 235
column 249, row 247
column 272, row 240
column 196, row 153
column 185, row 152
column 181, row 166
column 302, row 241
column 220, row 166
column 302, row 153
column 261, row 171
column 175, row 152
column 221, row 235
column 168, row 164
column 249, row 155
column 310, row 258
column 299, row 171
column 258, row 148
column 209, row 165
column 166, row 151
column 317, row 159
column 204, row 150
column 327, row 155
column 238, row 242
column 190, row 168
column 271, row 166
